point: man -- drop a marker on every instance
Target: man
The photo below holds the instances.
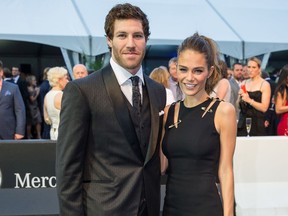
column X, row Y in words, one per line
column 22, row 84
column 23, row 87
column 173, row 80
column 12, row 110
column 44, row 89
column 230, row 73
column 108, row 145
column 7, row 75
column 245, row 73
column 235, row 81
column 79, row 71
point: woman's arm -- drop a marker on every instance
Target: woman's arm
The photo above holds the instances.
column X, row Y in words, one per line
column 33, row 96
column 223, row 88
column 45, row 112
column 265, row 99
column 225, row 122
column 280, row 104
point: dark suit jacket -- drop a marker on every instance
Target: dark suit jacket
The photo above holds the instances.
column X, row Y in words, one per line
column 270, row 114
column 234, row 94
column 100, row 168
column 12, row 111
column 23, row 87
column 234, row 90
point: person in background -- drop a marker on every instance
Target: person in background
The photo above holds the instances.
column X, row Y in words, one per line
column 44, row 89
column 173, row 80
column 254, row 100
column 107, row 153
column 270, row 115
column 161, row 75
column 235, row 86
column 245, row 73
column 229, row 73
column 80, row 71
column 34, row 120
column 58, row 78
column 7, row 76
column 199, row 137
column 281, row 101
column 222, row 89
column 12, row 110
column 20, row 80
column 22, row 84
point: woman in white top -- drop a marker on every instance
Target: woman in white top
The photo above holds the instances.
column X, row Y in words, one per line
column 58, row 78
column 161, row 75
column 222, row 89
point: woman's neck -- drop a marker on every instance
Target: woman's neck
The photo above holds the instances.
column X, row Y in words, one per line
column 56, row 88
column 192, row 101
column 256, row 78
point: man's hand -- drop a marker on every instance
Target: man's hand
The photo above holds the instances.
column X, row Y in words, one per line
column 18, row 136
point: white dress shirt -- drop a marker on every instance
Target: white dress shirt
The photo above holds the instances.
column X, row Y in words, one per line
column 123, row 78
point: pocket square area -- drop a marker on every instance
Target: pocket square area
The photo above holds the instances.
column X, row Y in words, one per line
column 7, row 93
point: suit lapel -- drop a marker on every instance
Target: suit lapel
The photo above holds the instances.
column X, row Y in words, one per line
column 154, row 121
column 121, row 110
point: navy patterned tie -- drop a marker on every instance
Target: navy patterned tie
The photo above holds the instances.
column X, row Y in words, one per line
column 136, row 96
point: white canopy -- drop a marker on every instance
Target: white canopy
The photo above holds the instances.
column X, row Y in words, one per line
column 260, row 24
column 50, row 22
column 242, row 28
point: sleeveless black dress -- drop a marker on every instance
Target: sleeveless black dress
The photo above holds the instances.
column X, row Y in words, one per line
column 258, row 117
column 193, row 151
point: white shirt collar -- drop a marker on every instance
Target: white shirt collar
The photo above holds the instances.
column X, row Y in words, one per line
column 16, row 78
column 122, row 75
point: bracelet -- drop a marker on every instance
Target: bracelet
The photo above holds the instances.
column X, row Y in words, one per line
column 251, row 102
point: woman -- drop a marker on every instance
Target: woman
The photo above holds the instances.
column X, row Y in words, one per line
column 161, row 75
column 254, row 100
column 222, row 89
column 194, row 132
column 58, row 79
column 34, row 115
column 281, row 101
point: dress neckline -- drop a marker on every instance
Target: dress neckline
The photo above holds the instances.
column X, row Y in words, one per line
column 200, row 104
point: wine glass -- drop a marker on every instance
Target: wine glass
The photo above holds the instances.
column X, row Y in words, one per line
column 248, row 125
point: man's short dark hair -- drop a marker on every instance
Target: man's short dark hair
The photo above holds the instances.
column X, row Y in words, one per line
column 122, row 12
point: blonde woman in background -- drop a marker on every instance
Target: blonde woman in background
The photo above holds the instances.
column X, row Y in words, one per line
column 161, row 75
column 254, row 100
column 58, row 78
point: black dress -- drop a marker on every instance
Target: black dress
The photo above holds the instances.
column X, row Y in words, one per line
column 193, row 151
column 258, row 117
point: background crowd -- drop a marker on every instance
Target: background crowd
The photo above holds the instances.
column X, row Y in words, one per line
column 254, row 93
column 29, row 110
column 110, row 148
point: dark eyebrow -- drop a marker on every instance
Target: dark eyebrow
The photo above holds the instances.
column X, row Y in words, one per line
column 197, row 68
column 182, row 66
column 121, row 32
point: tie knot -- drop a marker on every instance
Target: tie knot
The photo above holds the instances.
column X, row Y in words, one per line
column 135, row 80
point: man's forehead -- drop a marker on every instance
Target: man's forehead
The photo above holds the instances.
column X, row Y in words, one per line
column 121, row 24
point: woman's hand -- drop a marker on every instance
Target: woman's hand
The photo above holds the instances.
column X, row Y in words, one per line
column 245, row 97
